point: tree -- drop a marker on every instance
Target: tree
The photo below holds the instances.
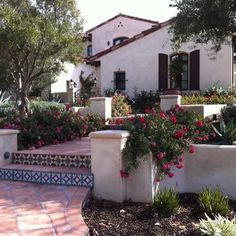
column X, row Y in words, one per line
column 37, row 37
column 202, row 21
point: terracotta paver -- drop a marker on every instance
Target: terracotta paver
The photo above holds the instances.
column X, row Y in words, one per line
column 34, row 209
column 74, row 147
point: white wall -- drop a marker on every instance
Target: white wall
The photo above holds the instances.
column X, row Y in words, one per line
column 108, row 32
column 140, row 62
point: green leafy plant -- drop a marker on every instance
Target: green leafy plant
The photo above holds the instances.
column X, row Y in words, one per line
column 3, row 98
column 166, row 202
column 229, row 113
column 213, row 201
column 226, row 132
column 120, row 106
column 219, row 226
column 145, row 100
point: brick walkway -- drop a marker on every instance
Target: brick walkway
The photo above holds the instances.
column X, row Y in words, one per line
column 35, row 209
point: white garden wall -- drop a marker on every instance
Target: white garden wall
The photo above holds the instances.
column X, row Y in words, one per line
column 210, row 165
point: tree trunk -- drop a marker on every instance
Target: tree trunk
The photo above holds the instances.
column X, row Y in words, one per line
column 24, row 105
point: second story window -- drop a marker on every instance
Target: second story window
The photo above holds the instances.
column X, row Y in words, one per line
column 119, row 40
column 89, row 51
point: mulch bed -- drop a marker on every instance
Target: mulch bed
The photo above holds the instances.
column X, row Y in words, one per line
column 138, row 219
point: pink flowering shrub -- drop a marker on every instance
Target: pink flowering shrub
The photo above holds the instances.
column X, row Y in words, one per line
column 50, row 126
column 166, row 136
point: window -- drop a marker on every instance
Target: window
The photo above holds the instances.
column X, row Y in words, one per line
column 89, row 51
column 179, row 71
column 120, row 80
column 119, row 40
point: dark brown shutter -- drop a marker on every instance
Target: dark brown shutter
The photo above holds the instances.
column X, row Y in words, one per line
column 163, row 71
column 194, row 70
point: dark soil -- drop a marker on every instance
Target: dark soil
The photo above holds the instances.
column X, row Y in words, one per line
column 138, row 219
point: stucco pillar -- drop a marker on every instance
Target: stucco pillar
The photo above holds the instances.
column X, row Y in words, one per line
column 8, row 145
column 106, row 162
column 141, row 185
column 169, row 101
column 102, row 106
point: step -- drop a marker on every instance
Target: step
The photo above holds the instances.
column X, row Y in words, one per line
column 69, row 176
column 51, row 159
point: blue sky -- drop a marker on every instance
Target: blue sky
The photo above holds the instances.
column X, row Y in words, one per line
column 96, row 11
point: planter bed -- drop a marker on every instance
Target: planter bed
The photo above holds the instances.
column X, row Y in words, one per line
column 109, row 218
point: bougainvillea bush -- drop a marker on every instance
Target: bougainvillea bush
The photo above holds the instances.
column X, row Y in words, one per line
column 50, row 126
column 166, row 136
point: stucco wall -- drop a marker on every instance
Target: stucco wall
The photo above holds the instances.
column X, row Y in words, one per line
column 140, row 62
column 119, row 27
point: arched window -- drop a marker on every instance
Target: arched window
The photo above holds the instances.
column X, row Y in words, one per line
column 179, row 71
column 119, row 40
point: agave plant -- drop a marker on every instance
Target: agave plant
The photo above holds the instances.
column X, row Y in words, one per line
column 3, row 99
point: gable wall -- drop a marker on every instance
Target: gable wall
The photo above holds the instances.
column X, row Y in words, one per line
column 140, row 62
column 108, row 32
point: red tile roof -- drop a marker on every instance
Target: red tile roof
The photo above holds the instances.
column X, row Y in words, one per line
column 122, row 15
column 128, row 41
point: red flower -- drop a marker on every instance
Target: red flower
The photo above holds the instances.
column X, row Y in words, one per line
column 191, row 149
column 57, row 114
column 179, row 134
column 55, row 141
column 181, row 159
column 131, row 119
column 170, row 174
column 177, row 106
column 123, row 174
column 199, row 123
column 147, row 110
column 197, row 131
column 179, row 166
column 166, row 166
column 162, row 115
column 120, row 121
column 142, row 119
column 173, row 119
column 161, row 155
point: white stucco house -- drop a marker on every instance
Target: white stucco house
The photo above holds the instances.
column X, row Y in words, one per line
column 127, row 52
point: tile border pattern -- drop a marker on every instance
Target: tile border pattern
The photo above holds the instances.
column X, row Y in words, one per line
column 52, row 160
column 42, row 177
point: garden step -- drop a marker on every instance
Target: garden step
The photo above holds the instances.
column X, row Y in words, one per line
column 47, row 159
column 71, row 176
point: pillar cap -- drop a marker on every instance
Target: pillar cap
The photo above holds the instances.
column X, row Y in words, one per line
column 109, row 134
column 8, row 132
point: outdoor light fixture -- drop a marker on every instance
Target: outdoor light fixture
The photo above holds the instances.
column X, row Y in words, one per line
column 72, row 84
column 95, row 81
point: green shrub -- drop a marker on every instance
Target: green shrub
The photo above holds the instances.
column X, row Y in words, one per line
column 213, row 201
column 120, row 106
column 42, row 106
column 220, row 226
column 7, row 108
column 145, row 100
column 229, row 113
column 95, row 122
column 166, row 202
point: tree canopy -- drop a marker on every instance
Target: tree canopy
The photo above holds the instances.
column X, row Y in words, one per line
column 204, row 20
column 37, row 37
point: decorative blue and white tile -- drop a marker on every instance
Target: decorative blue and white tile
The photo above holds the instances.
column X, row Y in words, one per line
column 18, row 175
column 76, row 179
column 9, row 174
column 55, row 178
column 2, row 173
column 46, row 178
column 87, row 180
column 66, row 179
column 36, row 176
column 26, row 175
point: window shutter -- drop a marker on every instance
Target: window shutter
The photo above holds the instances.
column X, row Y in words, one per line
column 163, row 71
column 194, row 70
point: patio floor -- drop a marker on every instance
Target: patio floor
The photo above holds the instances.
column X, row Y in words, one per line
column 35, row 209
